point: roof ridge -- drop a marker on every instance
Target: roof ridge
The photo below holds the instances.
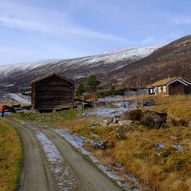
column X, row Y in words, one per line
column 49, row 75
column 166, row 81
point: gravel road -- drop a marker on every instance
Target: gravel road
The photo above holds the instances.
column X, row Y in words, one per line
column 52, row 164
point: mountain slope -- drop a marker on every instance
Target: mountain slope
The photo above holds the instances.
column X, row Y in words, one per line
column 13, row 78
column 171, row 60
column 125, row 68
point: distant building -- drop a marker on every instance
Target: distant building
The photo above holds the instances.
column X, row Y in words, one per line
column 170, row 86
column 25, row 91
column 52, row 93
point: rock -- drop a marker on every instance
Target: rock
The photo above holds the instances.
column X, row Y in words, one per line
column 102, row 145
column 105, row 123
column 125, row 122
column 154, row 119
column 134, row 115
column 148, row 118
column 115, row 119
column 93, row 126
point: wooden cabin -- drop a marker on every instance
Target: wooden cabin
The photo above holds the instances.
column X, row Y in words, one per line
column 170, row 86
column 51, row 93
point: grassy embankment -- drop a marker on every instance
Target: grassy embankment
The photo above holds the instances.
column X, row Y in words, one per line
column 10, row 157
column 161, row 159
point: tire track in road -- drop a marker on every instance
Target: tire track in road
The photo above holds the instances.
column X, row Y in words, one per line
column 86, row 174
column 89, row 176
column 64, row 179
column 35, row 175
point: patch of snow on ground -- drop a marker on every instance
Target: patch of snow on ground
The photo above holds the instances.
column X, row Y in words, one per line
column 6, row 113
column 178, row 148
column 108, row 111
column 19, row 99
column 49, row 148
column 78, row 142
column 65, row 181
column 111, row 112
column 160, row 146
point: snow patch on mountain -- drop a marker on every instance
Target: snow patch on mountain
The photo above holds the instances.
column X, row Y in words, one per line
column 92, row 61
column 125, row 54
column 5, row 69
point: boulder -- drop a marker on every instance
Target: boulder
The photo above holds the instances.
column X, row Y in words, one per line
column 148, row 118
column 102, row 145
column 154, row 119
column 125, row 122
column 115, row 119
column 134, row 115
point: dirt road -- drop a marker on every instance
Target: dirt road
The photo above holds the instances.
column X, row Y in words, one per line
column 51, row 163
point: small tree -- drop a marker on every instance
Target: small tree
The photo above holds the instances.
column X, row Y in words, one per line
column 112, row 90
column 80, row 90
column 92, row 84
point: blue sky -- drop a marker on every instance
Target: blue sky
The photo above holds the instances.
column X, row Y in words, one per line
column 35, row 30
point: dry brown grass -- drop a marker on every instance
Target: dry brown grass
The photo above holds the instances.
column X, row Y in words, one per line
column 10, row 157
column 175, row 106
column 157, row 168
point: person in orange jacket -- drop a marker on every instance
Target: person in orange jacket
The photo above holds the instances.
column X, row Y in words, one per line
column 2, row 110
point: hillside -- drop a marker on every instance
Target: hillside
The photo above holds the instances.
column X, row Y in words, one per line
column 171, row 60
column 123, row 68
column 13, row 78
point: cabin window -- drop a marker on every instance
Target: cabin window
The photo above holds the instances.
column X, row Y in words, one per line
column 164, row 88
column 152, row 91
column 159, row 89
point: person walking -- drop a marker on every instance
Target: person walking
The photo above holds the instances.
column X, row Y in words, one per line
column 2, row 110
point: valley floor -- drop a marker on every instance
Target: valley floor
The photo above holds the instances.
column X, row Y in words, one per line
column 142, row 158
column 63, row 149
column 51, row 163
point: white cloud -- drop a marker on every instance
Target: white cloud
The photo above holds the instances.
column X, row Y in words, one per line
column 47, row 21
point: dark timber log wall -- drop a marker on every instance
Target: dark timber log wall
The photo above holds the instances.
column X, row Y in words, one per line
column 52, row 93
column 177, row 88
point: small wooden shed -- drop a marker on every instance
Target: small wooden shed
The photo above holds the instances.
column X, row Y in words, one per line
column 52, row 92
column 170, row 86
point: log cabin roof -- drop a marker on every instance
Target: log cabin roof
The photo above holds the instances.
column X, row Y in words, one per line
column 168, row 81
column 51, row 75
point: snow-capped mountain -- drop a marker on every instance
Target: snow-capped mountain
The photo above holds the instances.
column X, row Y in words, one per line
column 5, row 69
column 122, row 68
column 171, row 60
column 20, row 75
column 107, row 58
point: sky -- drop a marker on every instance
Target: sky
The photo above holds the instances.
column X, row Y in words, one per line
column 36, row 30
